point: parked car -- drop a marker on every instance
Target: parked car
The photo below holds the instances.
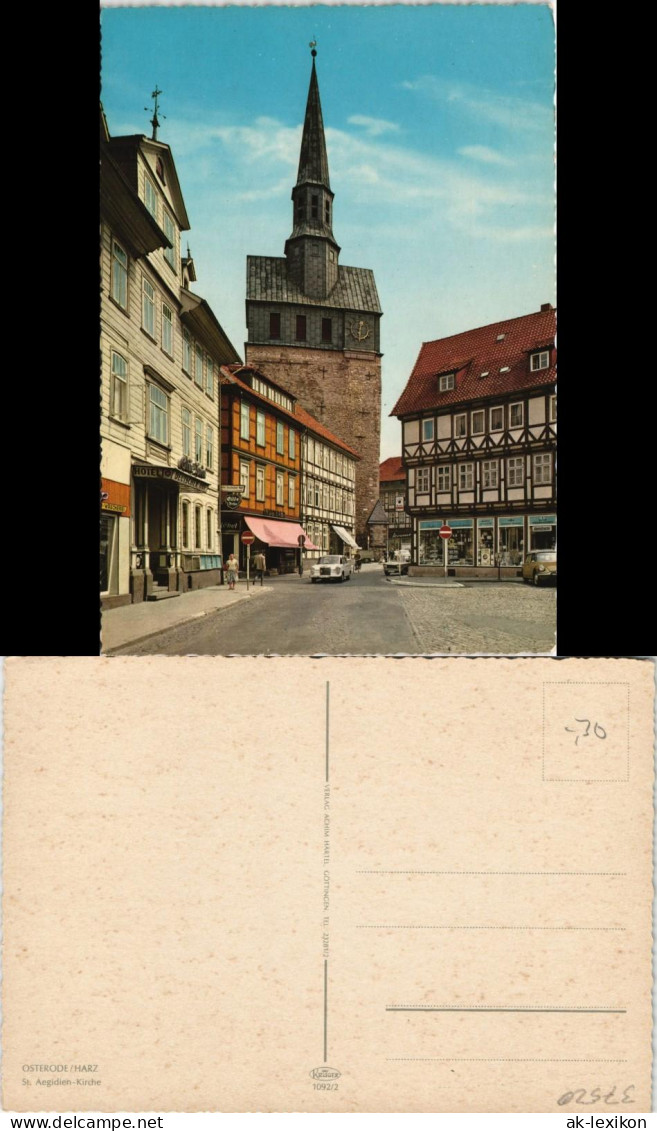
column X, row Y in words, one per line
column 331, row 567
column 540, row 567
column 397, row 563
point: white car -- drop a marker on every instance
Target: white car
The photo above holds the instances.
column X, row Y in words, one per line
column 332, row 567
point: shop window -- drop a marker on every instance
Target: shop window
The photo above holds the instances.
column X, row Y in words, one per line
column 279, row 489
column 301, row 328
column 485, row 540
column 478, row 419
column 274, row 325
column 542, row 468
column 510, row 541
column 119, row 274
column 427, row 429
column 540, row 360
column 515, row 471
column 108, row 553
column 244, row 421
column 496, row 419
column 460, row 549
column 167, row 329
column 460, row 425
column 187, row 432
column 148, row 307
column 170, row 233
column 444, row 475
column 515, row 415
column 466, row 476
column 327, row 329
column 423, row 480
column 280, row 438
column 158, row 417
column 489, row 473
column 119, row 387
column 260, row 483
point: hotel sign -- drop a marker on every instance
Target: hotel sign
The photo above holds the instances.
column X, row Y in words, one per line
column 173, row 474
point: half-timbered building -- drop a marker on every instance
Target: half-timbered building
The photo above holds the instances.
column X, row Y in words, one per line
column 478, row 418
column 392, row 480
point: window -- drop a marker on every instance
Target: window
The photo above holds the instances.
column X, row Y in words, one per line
column 445, row 381
column 150, row 197
column 543, row 468
column 260, row 483
column 327, row 329
column 119, row 387
column 244, row 421
column 158, row 419
column 274, row 325
column 167, row 329
column 187, row 352
column 332, row 459
column 209, row 531
column 423, row 480
column 489, row 473
column 301, row 327
column 159, row 168
column 427, row 429
column 185, row 525
column 209, row 447
column 310, row 450
column 478, row 421
column 197, row 527
column 170, row 233
column 198, row 367
column 260, row 429
column 280, row 438
column 496, row 419
column 314, row 207
column 460, row 425
column 291, row 484
column 553, row 408
column 187, row 432
column 444, row 479
column 327, row 212
column 279, row 488
column 245, row 479
column 292, row 443
column 515, row 471
column 515, row 415
column 540, row 360
column 466, row 476
column 148, row 307
column 198, row 440
column 119, row 275
column 209, row 374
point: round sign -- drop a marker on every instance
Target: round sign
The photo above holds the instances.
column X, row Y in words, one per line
column 445, row 531
column 301, row 539
column 247, row 538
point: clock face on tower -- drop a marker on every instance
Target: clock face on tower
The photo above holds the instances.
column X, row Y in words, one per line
column 359, row 330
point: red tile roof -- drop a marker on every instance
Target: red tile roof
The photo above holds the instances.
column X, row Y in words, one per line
column 391, row 470
column 300, row 417
column 474, row 352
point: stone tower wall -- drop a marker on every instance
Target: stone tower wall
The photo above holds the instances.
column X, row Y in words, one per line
column 346, row 397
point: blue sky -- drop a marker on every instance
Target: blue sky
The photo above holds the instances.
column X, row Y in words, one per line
column 439, row 127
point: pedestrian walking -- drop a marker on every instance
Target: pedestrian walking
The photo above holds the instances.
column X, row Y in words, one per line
column 259, row 566
column 232, row 569
column 357, row 560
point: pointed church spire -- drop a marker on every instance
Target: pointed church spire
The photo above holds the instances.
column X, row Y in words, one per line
column 313, row 162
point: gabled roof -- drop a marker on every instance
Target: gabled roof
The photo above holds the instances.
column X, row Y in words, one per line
column 124, row 210
column 267, row 280
column 234, row 375
column 198, row 315
column 124, row 149
column 391, row 470
column 379, row 515
column 474, row 352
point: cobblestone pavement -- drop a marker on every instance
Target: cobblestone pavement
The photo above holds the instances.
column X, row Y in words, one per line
column 482, row 618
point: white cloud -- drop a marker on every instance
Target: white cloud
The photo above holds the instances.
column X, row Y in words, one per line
column 484, row 153
column 373, row 126
column 512, row 113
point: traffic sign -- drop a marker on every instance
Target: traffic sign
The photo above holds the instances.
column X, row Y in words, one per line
column 247, row 538
column 445, row 531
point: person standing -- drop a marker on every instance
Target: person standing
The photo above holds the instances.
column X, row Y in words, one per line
column 232, row 569
column 259, row 565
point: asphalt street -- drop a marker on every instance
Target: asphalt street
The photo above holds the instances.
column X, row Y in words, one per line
column 368, row 615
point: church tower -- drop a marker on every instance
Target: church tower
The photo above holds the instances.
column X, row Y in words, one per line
column 313, row 324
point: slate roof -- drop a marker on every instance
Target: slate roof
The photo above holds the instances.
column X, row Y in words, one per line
column 474, row 352
column 391, row 470
column 379, row 515
column 267, row 281
column 313, row 162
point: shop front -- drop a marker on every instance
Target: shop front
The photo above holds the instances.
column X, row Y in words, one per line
column 343, row 541
column 114, row 543
column 485, row 541
column 279, row 542
column 542, row 532
column 460, row 547
column 511, row 540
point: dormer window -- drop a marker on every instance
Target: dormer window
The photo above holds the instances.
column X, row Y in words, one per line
column 445, row 381
column 540, row 361
column 159, row 169
column 500, row 337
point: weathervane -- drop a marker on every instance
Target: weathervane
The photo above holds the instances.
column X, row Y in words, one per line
column 155, row 120
column 313, row 45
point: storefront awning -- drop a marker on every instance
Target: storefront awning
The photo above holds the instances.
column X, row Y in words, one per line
column 346, row 536
column 277, row 533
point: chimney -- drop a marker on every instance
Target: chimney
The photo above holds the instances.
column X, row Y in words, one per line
column 546, row 306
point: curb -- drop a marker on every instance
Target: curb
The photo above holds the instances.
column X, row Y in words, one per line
column 170, row 627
